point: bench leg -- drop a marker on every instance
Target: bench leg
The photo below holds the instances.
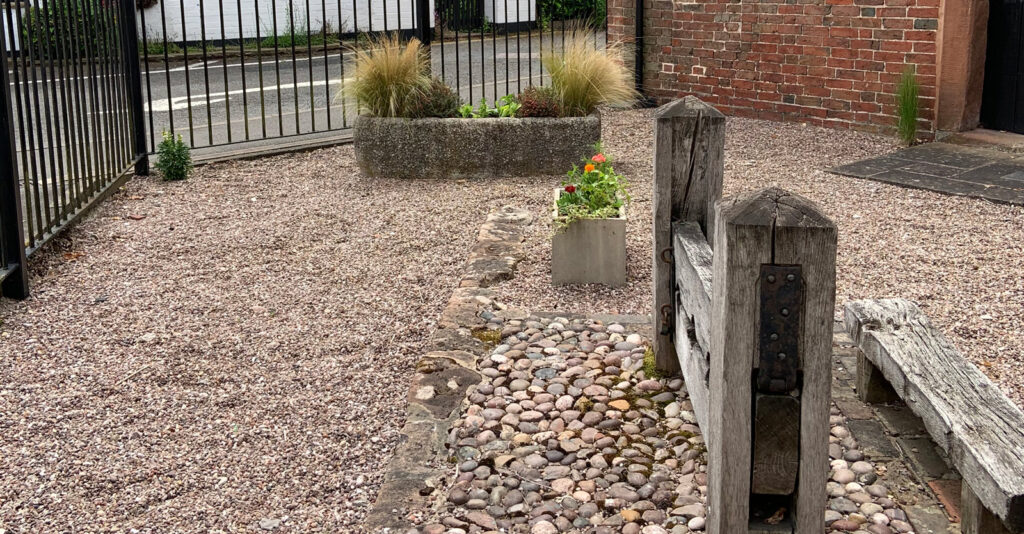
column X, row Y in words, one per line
column 872, row 386
column 975, row 518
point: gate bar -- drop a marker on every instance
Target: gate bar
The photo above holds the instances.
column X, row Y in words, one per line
column 12, row 233
column 133, row 80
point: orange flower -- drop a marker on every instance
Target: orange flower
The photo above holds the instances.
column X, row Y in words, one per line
column 588, row 167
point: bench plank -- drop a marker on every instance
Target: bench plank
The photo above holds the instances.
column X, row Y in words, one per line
column 693, row 258
column 980, row 429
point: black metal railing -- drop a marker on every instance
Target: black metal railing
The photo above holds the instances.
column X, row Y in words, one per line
column 222, row 72
column 72, row 106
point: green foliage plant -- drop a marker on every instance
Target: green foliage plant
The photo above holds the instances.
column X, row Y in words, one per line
column 907, row 106
column 591, row 11
column 594, row 191
column 585, row 77
column 174, row 158
column 506, row 107
column 89, row 19
column 159, row 48
column 389, row 75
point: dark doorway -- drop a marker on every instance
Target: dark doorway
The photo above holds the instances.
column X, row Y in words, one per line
column 1002, row 104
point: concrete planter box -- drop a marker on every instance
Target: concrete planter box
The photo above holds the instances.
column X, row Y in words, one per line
column 472, row 148
column 590, row 251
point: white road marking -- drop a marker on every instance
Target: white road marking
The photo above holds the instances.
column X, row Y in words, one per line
column 199, row 99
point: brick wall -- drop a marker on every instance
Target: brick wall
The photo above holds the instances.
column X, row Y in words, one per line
column 826, row 62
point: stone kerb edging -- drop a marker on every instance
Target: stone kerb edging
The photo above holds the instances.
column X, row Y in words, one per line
column 443, row 376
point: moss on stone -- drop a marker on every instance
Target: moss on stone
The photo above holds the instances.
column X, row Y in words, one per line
column 491, row 337
column 650, row 369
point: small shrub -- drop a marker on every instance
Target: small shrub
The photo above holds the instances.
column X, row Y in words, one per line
column 437, row 100
column 585, row 77
column 174, row 158
column 594, row 192
column 389, row 75
column 907, row 106
column 539, row 102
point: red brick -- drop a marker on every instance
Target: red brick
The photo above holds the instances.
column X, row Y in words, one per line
column 831, row 62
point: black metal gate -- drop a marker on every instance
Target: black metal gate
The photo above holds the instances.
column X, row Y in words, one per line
column 223, row 72
column 72, row 107
column 1002, row 105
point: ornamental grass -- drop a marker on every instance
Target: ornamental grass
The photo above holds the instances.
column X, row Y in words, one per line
column 907, row 106
column 585, row 77
column 389, row 74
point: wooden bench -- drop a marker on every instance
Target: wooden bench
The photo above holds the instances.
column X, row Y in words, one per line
column 977, row 426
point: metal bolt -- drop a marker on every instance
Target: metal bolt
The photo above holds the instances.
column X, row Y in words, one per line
column 785, row 312
column 782, row 355
column 771, row 278
column 790, row 277
column 774, row 337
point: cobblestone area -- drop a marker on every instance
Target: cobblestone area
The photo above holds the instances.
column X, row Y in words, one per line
column 858, row 501
column 571, row 430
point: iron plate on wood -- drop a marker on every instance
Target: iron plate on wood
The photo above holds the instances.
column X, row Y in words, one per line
column 781, row 306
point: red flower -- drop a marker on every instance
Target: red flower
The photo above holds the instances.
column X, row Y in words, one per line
column 599, row 158
column 570, row 188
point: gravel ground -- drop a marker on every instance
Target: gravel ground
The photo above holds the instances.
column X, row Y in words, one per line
column 204, row 356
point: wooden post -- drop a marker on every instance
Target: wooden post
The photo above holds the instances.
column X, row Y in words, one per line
column 872, row 387
column 975, row 518
column 764, row 241
column 689, row 145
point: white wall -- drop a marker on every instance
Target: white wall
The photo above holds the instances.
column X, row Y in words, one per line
column 505, row 11
column 11, row 39
column 364, row 15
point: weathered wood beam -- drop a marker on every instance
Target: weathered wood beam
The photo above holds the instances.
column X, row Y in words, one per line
column 693, row 360
column 980, row 429
column 769, row 227
column 693, row 258
column 689, row 145
column 776, row 460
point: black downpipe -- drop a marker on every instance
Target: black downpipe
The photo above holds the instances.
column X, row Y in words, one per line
column 638, row 68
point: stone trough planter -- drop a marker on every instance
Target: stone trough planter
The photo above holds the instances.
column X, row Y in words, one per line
column 472, row 148
column 590, row 251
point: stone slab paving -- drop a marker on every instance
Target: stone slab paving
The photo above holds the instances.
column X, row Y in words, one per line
column 948, row 168
column 896, row 442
